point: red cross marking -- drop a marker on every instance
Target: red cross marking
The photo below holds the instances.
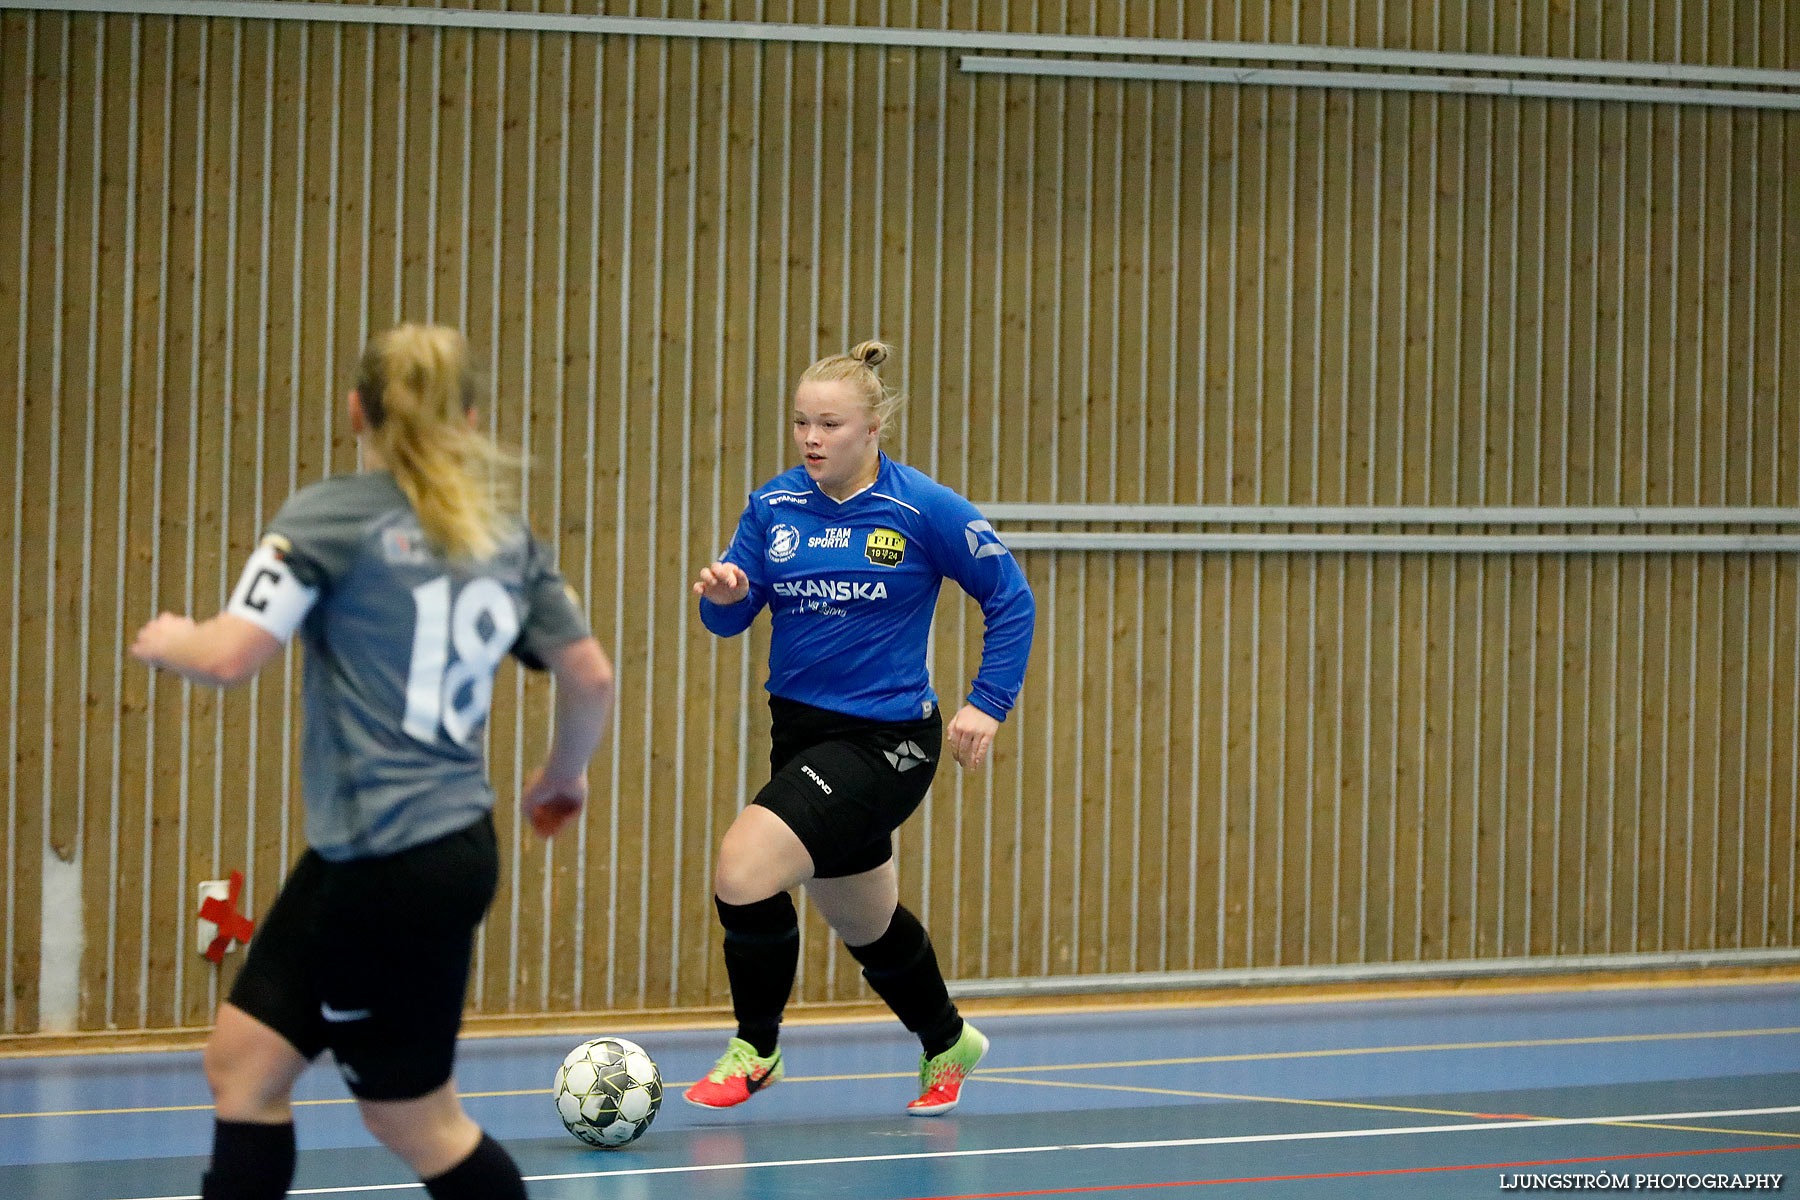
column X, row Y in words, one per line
column 233, row 925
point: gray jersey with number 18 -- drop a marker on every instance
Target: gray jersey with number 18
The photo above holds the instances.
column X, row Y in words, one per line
column 401, row 649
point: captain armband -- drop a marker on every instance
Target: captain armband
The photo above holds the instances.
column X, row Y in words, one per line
column 268, row 595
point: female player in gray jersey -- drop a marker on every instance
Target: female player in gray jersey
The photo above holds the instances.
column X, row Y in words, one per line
column 408, row 583
column 847, row 551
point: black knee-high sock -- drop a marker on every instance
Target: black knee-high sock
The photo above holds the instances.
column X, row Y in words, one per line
column 903, row 969
column 489, row 1173
column 249, row 1161
column 762, row 952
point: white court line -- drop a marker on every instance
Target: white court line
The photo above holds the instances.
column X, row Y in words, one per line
column 1163, row 1144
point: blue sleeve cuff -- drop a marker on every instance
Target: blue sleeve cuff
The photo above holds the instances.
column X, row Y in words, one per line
column 727, row 620
column 987, row 706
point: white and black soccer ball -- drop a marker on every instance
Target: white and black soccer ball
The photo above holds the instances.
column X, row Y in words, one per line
column 607, row 1092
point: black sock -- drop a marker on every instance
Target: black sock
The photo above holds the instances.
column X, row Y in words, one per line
column 249, row 1161
column 489, row 1173
column 762, row 952
column 903, row 969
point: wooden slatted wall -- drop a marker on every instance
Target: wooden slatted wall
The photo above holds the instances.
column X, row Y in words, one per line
column 1102, row 291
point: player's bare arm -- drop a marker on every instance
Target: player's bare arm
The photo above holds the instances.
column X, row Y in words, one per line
column 219, row 652
column 584, row 700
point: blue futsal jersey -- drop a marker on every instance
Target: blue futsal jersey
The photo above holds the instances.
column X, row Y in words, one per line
column 851, row 587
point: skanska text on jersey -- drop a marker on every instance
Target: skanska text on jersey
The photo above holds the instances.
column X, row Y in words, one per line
column 829, row 589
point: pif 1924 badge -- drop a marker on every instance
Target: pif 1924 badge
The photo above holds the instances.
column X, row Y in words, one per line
column 885, row 548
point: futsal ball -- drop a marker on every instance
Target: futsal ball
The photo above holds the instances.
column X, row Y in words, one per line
column 607, row 1092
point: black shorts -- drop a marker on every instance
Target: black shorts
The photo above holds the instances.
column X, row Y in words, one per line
column 843, row 784
column 370, row 959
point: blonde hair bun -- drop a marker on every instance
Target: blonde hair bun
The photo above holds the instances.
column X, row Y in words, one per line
column 856, row 370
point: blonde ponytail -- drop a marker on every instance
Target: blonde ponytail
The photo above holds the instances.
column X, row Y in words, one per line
column 417, row 388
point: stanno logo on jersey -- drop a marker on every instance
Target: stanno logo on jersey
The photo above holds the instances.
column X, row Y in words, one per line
column 783, row 541
column 831, row 539
column 785, row 498
column 885, row 548
column 983, row 541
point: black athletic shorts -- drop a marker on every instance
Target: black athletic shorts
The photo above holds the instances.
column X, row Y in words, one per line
column 843, row 784
column 370, row 959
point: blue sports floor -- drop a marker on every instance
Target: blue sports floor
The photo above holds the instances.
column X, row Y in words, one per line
column 1439, row 1096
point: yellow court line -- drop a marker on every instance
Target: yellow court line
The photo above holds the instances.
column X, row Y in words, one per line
column 161, row 1108
column 1427, row 1047
column 1791, row 1135
column 525, row 1092
column 1441, row 1112
column 1121, row 1087
column 1103, row 1087
column 995, row 1072
column 169, row 1108
column 1342, row 1052
column 109, row 1112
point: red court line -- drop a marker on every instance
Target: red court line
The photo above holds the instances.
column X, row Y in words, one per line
column 1500, row 1166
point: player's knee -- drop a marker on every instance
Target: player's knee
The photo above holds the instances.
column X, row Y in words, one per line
column 430, row 1135
column 386, row 1127
column 223, row 1069
column 742, row 875
column 403, row 1130
column 740, row 879
column 758, row 857
column 860, row 928
column 243, row 1087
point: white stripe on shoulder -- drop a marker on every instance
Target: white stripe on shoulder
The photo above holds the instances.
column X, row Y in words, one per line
column 766, row 495
column 896, row 500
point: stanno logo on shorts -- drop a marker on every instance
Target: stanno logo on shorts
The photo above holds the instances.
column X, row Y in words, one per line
column 814, row 776
column 905, row 756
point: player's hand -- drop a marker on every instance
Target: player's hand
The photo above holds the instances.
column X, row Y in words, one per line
column 722, row 583
column 971, row 734
column 158, row 635
column 550, row 803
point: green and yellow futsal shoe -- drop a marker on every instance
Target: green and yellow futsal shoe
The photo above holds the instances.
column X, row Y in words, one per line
column 739, row 1072
column 941, row 1076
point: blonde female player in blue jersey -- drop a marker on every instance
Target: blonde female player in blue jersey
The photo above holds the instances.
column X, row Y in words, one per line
column 408, row 583
column 847, row 551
